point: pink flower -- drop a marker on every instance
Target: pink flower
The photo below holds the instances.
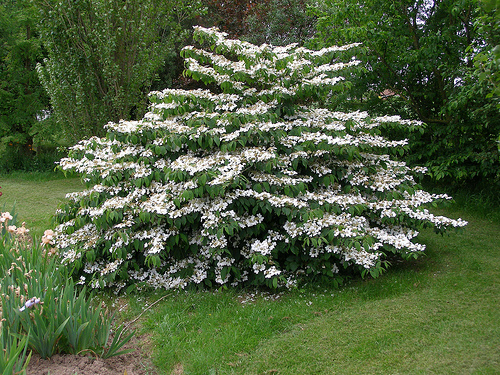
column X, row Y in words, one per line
column 11, row 229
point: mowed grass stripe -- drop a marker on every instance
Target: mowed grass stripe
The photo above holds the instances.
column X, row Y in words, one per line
column 444, row 319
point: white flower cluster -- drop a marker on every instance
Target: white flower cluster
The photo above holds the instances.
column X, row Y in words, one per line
column 228, row 187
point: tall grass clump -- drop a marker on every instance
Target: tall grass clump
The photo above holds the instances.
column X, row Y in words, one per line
column 41, row 308
column 249, row 181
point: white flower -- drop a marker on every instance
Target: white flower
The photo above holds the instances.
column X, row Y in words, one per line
column 271, row 271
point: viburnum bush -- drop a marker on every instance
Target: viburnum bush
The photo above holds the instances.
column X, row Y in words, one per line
column 247, row 181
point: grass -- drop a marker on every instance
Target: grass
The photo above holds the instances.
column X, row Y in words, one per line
column 479, row 200
column 438, row 315
column 36, row 196
column 434, row 315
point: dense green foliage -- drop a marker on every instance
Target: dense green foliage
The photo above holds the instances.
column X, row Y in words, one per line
column 422, row 52
column 100, row 60
column 437, row 61
column 487, row 59
column 276, row 22
column 22, row 98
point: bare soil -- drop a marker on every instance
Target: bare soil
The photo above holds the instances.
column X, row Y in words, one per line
column 133, row 363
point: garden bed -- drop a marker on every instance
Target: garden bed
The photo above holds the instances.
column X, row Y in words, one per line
column 133, row 363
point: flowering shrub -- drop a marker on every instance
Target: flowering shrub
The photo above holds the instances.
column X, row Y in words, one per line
column 248, row 181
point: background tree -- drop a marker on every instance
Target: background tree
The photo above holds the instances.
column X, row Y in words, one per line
column 420, row 51
column 229, row 15
column 276, row 22
column 22, row 98
column 487, row 59
column 104, row 55
column 280, row 22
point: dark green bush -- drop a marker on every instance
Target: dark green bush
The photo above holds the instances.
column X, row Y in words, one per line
column 26, row 159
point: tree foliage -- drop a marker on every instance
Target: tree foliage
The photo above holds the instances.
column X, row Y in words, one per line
column 422, row 51
column 22, row 98
column 103, row 56
column 280, row 22
column 487, row 54
column 248, row 182
column 229, row 15
column 276, row 22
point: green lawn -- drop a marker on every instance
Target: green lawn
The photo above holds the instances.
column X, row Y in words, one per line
column 435, row 315
column 36, row 197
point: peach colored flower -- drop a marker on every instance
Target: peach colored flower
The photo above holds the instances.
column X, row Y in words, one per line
column 5, row 217
column 22, row 230
column 47, row 237
column 48, row 232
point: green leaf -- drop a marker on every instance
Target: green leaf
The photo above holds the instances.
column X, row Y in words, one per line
column 202, row 180
column 275, row 282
